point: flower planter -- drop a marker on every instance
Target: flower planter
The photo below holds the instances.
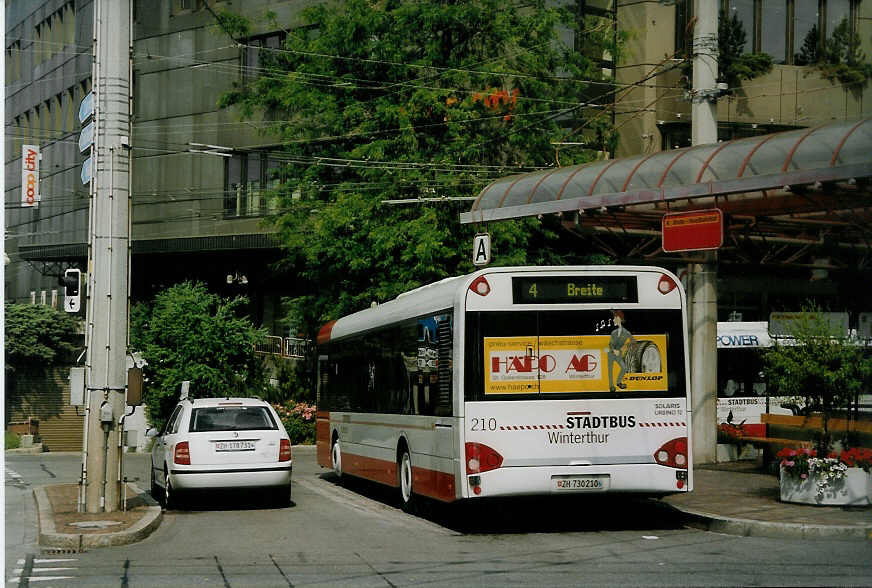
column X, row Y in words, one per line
column 726, row 452
column 854, row 489
column 733, row 452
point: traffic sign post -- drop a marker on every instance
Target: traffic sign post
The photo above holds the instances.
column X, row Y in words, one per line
column 86, row 170
column 481, row 253
column 72, row 282
column 693, row 231
column 86, row 107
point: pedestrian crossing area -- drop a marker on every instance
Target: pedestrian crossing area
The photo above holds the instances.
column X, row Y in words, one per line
column 13, row 478
column 42, row 571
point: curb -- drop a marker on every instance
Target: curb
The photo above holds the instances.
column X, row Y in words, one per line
column 48, row 537
column 754, row 528
column 35, row 449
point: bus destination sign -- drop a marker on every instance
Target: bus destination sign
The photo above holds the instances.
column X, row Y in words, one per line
column 574, row 289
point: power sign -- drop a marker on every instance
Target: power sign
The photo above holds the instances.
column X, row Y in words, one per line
column 30, row 157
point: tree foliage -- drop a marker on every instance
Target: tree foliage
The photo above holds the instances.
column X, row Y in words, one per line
column 188, row 333
column 843, row 60
column 734, row 64
column 38, row 337
column 388, row 100
column 817, row 366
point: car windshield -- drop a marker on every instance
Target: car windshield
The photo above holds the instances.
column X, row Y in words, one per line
column 231, row 418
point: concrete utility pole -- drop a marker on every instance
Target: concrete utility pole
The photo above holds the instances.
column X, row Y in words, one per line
column 108, row 256
column 703, row 276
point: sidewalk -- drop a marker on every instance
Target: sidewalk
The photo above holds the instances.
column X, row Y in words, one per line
column 61, row 526
column 733, row 498
column 736, row 498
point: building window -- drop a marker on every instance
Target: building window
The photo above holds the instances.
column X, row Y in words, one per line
column 249, row 178
column 790, row 31
column 773, row 23
column 254, row 58
column 185, row 6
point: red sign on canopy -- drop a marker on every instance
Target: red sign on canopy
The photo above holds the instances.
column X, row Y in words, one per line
column 693, row 231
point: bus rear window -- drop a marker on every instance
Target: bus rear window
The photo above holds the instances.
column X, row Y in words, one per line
column 574, row 354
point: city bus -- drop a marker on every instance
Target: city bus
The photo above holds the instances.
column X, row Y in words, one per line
column 512, row 381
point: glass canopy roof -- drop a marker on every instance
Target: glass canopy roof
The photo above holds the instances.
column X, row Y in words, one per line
column 837, row 151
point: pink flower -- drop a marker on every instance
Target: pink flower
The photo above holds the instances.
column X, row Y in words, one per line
column 803, row 476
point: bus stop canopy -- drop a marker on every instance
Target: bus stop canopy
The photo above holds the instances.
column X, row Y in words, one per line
column 794, row 186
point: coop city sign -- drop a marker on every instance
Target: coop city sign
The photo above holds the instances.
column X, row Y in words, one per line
column 30, row 157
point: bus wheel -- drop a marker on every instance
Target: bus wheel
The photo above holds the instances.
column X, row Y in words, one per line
column 405, row 474
column 336, row 458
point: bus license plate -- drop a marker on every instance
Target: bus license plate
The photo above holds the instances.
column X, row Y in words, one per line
column 234, row 446
column 595, row 483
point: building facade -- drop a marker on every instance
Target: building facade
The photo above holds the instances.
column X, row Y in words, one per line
column 200, row 173
column 198, row 211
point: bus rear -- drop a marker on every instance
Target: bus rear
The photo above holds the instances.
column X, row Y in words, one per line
column 575, row 380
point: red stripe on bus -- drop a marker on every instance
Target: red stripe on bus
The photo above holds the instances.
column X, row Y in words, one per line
column 325, row 332
column 426, row 482
column 434, row 484
column 322, row 439
column 377, row 470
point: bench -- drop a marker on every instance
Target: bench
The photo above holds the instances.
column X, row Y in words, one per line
column 803, row 426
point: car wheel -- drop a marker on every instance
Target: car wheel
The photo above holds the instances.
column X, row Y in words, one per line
column 171, row 501
column 404, row 471
column 155, row 489
column 336, row 458
column 282, row 495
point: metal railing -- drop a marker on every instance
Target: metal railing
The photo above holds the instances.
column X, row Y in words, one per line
column 291, row 347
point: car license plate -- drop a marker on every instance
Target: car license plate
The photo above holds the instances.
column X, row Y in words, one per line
column 234, row 446
column 593, row 483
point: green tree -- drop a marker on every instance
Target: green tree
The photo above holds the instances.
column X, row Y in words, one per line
column 818, row 366
column 188, row 333
column 734, row 64
column 388, row 100
column 39, row 337
column 843, row 60
column 809, row 53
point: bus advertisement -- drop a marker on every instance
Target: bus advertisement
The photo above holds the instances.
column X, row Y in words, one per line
column 513, row 381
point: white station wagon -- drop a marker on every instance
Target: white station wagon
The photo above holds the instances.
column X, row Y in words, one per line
column 217, row 443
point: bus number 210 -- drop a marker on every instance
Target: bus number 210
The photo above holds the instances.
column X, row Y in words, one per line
column 484, row 424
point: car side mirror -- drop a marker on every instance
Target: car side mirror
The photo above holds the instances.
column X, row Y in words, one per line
column 152, row 432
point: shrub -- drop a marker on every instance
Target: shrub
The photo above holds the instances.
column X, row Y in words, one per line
column 12, row 440
column 299, row 421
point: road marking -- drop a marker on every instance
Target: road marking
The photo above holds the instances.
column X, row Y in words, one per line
column 17, row 480
column 42, row 579
column 25, row 575
column 365, row 506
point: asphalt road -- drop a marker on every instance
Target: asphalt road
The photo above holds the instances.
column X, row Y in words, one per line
column 353, row 534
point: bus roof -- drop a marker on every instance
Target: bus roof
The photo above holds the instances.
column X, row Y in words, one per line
column 439, row 296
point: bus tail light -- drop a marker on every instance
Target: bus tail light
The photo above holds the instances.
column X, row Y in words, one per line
column 480, row 286
column 666, row 284
column 285, row 450
column 673, row 453
column 182, row 454
column 481, row 458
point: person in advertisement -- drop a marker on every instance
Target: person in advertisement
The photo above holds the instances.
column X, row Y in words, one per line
column 619, row 339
